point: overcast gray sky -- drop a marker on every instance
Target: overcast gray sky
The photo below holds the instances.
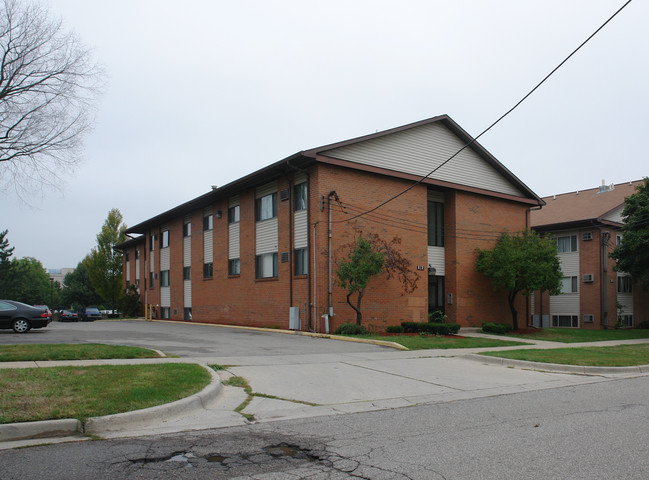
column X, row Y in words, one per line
column 202, row 92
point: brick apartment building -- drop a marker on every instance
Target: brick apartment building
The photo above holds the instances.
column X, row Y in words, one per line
column 587, row 227
column 258, row 252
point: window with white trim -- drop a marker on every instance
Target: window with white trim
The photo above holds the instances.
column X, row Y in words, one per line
column 164, row 278
column 569, row 285
column 624, row 285
column 567, row 244
column 164, row 239
column 233, row 214
column 566, row 321
column 301, row 261
column 266, row 207
column 299, row 196
column 234, row 266
column 266, row 265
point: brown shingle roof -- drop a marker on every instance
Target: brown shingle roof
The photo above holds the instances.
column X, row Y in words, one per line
column 581, row 206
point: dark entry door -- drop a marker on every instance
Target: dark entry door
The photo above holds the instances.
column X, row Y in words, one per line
column 435, row 293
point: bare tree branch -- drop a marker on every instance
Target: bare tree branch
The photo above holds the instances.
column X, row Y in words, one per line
column 49, row 85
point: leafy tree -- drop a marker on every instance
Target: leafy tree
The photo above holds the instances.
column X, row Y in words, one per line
column 77, row 288
column 104, row 262
column 48, row 87
column 130, row 304
column 632, row 255
column 5, row 263
column 367, row 257
column 29, row 283
column 521, row 263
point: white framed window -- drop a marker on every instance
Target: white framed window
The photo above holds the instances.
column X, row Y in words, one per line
column 625, row 320
column 566, row 321
column 187, row 230
column 266, row 207
column 266, row 265
column 233, row 214
column 569, row 285
column 234, row 266
column 164, row 239
column 299, row 196
column 301, row 261
column 624, row 285
column 165, row 312
column 567, row 244
column 164, row 278
column 208, row 222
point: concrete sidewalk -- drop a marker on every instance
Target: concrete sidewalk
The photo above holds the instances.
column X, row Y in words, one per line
column 297, row 386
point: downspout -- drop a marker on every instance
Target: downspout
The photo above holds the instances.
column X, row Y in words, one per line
column 605, row 236
column 290, row 243
column 329, row 254
column 528, row 226
column 315, row 282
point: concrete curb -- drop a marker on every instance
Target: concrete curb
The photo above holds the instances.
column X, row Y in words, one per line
column 110, row 423
column 382, row 343
column 555, row 367
column 67, row 427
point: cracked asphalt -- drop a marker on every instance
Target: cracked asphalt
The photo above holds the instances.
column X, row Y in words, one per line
column 590, row 431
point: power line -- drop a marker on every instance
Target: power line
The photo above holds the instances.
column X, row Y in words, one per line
column 473, row 140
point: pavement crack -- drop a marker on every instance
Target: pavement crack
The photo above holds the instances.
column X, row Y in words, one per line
column 403, row 376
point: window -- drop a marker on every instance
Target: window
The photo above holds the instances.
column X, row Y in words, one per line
column 567, row 244
column 233, row 214
column 266, row 207
column 137, row 254
column 187, row 273
column 208, row 222
column 301, row 261
column 435, row 224
column 299, row 197
column 624, row 285
column 152, row 242
column 164, row 312
column 266, row 265
column 569, row 285
column 126, row 255
column 618, row 239
column 234, row 266
column 187, row 230
column 187, row 313
column 207, row 270
column 150, row 279
column 568, row 321
column 164, row 239
column 625, row 320
column 164, row 278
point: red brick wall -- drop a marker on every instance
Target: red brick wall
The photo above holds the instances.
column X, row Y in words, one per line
column 471, row 221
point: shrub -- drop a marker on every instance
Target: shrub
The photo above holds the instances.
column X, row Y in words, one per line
column 489, row 327
column 394, row 329
column 437, row 317
column 351, row 329
column 432, row 328
column 644, row 324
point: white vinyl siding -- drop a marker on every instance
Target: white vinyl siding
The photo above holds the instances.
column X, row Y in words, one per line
column 188, row 293
column 165, row 296
column 234, row 245
column 299, row 178
column 436, row 260
column 266, row 190
column 208, row 240
column 164, row 259
column 266, row 237
column 624, row 296
column 137, row 269
column 615, row 215
column 128, row 272
column 301, row 229
column 419, row 150
column 567, row 304
column 187, row 251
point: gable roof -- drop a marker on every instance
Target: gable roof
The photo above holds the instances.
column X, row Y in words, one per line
column 601, row 205
column 354, row 153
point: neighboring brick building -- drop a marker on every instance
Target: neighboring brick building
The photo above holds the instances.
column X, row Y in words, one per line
column 587, row 227
column 243, row 253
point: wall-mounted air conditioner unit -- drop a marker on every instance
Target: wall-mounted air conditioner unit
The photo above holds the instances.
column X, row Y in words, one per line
column 589, row 318
column 587, row 236
column 587, row 278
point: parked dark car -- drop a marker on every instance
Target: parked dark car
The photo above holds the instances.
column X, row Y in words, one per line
column 90, row 314
column 22, row 317
column 68, row 316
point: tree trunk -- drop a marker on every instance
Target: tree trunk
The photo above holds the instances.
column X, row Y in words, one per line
column 359, row 316
column 511, row 297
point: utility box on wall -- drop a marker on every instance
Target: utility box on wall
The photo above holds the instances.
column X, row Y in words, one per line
column 294, row 318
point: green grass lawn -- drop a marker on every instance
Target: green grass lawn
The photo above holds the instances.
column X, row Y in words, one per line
column 576, row 335
column 63, row 351
column 614, row 356
column 423, row 342
column 30, row 394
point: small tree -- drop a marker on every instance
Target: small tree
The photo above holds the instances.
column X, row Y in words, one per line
column 632, row 255
column 367, row 257
column 105, row 263
column 521, row 263
column 5, row 263
column 77, row 288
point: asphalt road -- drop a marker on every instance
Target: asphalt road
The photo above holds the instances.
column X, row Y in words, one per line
column 591, row 431
column 184, row 339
